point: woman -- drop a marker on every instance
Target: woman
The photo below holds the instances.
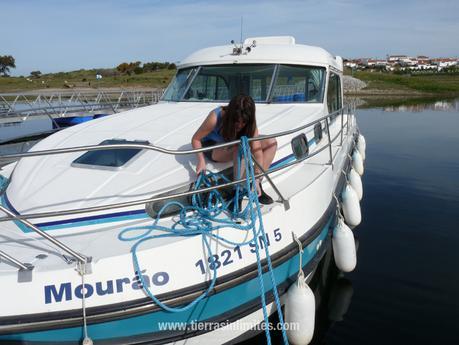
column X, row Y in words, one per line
column 228, row 123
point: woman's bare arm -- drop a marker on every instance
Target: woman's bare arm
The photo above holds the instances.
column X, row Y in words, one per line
column 206, row 127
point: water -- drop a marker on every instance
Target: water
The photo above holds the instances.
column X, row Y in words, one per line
column 406, row 284
column 405, row 288
column 11, row 130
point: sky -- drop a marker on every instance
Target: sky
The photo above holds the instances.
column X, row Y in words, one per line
column 66, row 35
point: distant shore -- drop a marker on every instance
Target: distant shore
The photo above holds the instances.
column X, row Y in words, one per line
column 413, row 85
column 362, row 84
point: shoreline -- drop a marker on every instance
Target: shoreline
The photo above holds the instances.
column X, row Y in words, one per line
column 347, row 93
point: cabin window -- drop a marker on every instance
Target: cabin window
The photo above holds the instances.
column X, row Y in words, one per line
column 334, row 93
column 179, row 84
column 263, row 82
column 220, row 83
column 299, row 84
column 110, row 158
column 207, row 87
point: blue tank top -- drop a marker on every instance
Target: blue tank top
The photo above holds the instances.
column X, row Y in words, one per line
column 215, row 134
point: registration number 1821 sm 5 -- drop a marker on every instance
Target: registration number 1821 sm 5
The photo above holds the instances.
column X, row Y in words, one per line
column 227, row 257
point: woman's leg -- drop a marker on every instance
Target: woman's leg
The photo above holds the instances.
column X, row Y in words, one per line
column 227, row 154
column 269, row 147
column 236, row 168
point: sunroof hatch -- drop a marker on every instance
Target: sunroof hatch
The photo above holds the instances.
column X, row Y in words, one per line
column 110, row 159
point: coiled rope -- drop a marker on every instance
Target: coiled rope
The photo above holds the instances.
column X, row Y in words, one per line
column 203, row 217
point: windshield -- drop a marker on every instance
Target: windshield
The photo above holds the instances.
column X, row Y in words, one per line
column 298, row 84
column 179, row 84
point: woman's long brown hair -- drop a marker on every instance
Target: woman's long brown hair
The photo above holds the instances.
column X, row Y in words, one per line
column 240, row 107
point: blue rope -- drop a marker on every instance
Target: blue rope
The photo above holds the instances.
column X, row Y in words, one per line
column 250, row 173
column 203, row 217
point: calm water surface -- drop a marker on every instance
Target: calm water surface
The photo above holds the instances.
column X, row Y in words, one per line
column 406, row 284
column 405, row 288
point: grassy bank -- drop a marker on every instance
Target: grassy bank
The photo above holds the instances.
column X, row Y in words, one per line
column 87, row 79
column 433, row 84
column 377, row 83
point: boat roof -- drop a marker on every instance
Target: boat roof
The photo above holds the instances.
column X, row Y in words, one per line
column 276, row 49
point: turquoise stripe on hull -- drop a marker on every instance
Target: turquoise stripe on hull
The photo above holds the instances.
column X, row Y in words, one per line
column 209, row 308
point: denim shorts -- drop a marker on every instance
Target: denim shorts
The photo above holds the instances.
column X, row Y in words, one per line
column 207, row 143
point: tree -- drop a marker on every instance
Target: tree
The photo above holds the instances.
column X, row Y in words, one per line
column 6, row 62
column 150, row 66
column 128, row 68
column 35, row 74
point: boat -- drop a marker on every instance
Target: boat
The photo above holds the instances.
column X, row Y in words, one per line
column 74, row 120
column 92, row 248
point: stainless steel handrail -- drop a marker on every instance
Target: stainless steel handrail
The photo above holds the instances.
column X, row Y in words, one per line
column 68, row 106
column 157, row 148
column 162, row 198
column 43, row 234
column 14, row 261
column 156, row 199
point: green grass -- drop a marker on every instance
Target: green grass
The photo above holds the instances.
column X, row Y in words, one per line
column 441, row 83
column 87, row 79
column 434, row 84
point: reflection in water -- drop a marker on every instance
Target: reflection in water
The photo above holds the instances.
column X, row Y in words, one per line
column 12, row 130
column 402, row 104
column 404, row 288
column 442, row 105
column 340, row 299
column 406, row 282
column 333, row 296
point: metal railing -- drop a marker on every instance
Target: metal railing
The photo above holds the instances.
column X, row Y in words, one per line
column 61, row 103
column 16, row 262
column 23, row 218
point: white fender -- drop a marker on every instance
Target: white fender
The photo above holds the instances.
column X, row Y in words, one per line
column 351, row 206
column 356, row 183
column 357, row 162
column 344, row 247
column 361, row 145
column 362, row 153
column 300, row 310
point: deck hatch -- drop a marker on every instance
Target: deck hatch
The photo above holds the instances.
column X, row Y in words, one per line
column 110, row 158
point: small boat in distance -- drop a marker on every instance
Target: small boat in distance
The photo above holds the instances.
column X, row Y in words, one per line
column 75, row 120
column 103, row 233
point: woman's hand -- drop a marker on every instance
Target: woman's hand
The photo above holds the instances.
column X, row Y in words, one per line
column 258, row 186
column 201, row 167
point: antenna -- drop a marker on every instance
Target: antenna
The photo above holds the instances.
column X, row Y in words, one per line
column 242, row 21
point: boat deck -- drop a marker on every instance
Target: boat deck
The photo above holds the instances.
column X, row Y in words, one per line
column 99, row 240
